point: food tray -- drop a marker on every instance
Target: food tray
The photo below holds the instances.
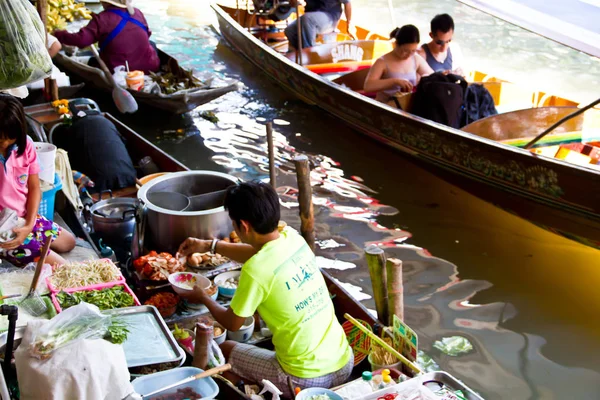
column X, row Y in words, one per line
column 52, row 289
column 149, row 341
column 99, row 286
column 439, row 376
column 211, row 272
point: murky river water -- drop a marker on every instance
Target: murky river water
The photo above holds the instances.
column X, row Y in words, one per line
column 526, row 299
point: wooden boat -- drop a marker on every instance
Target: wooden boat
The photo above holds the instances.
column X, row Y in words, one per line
column 554, row 194
column 177, row 103
column 37, row 96
column 46, row 116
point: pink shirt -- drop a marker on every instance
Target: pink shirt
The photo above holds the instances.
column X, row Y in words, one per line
column 14, row 177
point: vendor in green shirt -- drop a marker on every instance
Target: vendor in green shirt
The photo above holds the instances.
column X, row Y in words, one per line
column 281, row 280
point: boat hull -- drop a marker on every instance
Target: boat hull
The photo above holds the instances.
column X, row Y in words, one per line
column 553, row 194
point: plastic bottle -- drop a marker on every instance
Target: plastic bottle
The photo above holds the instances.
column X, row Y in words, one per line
column 107, row 252
column 382, row 381
column 204, row 335
column 358, row 388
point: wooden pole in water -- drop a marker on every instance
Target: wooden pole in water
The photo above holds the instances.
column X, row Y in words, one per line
column 307, row 217
column 395, row 289
column 376, row 263
column 272, row 170
column 299, row 32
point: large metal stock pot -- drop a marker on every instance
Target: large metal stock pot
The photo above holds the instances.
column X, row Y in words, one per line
column 166, row 229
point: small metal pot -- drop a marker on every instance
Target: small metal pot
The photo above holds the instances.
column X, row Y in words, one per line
column 114, row 219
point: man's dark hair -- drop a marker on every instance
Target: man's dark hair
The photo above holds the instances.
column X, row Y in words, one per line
column 255, row 202
column 12, row 122
column 442, row 23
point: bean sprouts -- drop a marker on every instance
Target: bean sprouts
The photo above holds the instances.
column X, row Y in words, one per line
column 84, row 273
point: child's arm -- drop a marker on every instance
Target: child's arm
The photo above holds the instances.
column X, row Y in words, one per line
column 33, row 202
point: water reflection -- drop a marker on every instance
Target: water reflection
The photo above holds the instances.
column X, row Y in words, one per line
column 526, row 299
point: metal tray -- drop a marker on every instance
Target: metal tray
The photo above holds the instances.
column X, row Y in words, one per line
column 149, row 341
column 451, row 382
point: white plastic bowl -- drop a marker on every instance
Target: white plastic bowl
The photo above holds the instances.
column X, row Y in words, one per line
column 221, row 278
column 183, row 282
column 245, row 332
column 221, row 338
column 206, row 387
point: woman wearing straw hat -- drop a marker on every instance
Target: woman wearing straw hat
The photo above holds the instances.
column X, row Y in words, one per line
column 122, row 33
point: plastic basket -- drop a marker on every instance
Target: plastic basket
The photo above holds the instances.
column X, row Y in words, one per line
column 46, row 209
column 52, row 289
column 100, row 286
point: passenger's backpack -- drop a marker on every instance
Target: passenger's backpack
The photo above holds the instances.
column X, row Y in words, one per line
column 478, row 104
column 440, row 97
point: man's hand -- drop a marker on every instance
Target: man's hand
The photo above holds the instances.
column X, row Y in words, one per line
column 198, row 295
column 193, row 245
column 351, row 29
column 21, row 236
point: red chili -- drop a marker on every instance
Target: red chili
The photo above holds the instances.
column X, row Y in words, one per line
column 389, row 396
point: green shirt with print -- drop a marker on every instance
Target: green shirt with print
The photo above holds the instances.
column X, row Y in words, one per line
column 283, row 282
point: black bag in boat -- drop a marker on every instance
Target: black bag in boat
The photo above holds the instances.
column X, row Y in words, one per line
column 440, row 98
column 96, row 149
column 479, row 103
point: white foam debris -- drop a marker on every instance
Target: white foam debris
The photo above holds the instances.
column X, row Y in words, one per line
column 355, row 291
column 328, row 263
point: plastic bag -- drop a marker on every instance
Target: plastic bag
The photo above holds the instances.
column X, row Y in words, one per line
column 23, row 50
column 83, row 321
column 9, row 220
column 120, row 76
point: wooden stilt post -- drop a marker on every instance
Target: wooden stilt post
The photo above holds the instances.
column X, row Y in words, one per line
column 271, row 149
column 299, row 31
column 395, row 289
column 307, row 218
column 53, row 89
column 50, row 87
column 376, row 263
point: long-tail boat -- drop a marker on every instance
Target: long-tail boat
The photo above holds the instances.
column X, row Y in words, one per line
column 552, row 193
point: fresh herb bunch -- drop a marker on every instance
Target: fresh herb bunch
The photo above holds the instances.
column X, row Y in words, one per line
column 105, row 299
column 117, row 332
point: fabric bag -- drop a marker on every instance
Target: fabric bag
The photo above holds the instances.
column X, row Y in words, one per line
column 23, row 50
column 440, row 98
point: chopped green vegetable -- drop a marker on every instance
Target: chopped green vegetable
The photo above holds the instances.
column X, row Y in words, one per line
column 105, row 299
column 209, row 116
column 117, row 332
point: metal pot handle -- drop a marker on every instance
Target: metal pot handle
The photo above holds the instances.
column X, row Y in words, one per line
column 132, row 212
column 104, row 191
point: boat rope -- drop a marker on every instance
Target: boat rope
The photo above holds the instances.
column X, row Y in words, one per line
column 560, row 122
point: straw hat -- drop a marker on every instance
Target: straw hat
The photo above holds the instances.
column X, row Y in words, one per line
column 121, row 4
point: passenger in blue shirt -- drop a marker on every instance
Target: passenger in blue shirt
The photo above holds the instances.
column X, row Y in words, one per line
column 441, row 53
column 320, row 17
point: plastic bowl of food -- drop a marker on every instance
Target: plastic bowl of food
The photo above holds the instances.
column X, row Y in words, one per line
column 183, row 282
column 244, row 333
column 219, row 333
column 227, row 283
column 318, row 393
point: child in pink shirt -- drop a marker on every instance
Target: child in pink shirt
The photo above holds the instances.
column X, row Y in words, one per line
column 20, row 191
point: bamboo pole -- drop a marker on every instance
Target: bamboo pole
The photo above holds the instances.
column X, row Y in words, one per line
column 395, row 289
column 376, row 263
column 307, row 218
column 49, row 86
column 272, row 170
